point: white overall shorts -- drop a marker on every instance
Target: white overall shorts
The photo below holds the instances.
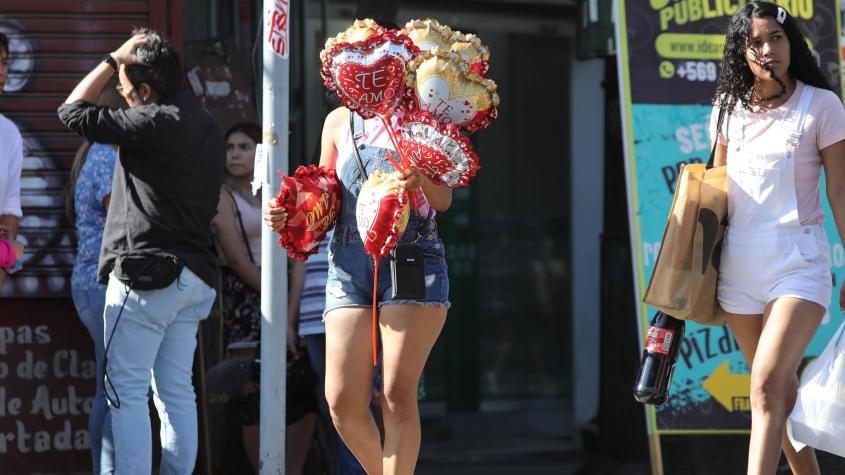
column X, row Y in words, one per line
column 767, row 253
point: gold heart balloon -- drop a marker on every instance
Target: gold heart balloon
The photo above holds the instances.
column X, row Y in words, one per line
column 446, row 88
column 360, row 30
column 429, row 34
column 474, row 52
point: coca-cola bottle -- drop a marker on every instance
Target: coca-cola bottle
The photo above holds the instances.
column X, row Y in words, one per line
column 660, row 353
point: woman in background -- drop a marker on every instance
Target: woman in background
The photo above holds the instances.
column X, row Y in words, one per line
column 238, row 234
column 237, row 225
column 86, row 204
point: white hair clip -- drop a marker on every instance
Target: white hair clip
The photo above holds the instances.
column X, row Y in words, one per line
column 781, row 15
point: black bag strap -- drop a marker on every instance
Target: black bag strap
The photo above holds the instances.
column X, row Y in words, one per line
column 424, row 224
column 241, row 224
column 719, row 122
column 357, row 134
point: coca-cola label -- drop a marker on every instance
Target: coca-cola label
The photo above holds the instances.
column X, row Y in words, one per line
column 659, row 340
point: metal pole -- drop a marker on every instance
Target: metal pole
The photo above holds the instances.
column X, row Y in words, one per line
column 274, row 281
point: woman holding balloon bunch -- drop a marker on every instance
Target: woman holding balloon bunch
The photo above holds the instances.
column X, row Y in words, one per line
column 354, row 148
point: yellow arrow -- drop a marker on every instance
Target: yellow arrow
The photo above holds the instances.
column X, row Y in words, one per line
column 731, row 390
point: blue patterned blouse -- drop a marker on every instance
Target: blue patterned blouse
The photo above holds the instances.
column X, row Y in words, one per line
column 93, row 184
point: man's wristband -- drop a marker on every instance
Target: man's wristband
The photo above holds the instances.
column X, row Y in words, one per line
column 109, row 59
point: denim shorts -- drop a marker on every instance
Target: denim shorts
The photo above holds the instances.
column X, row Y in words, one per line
column 350, row 278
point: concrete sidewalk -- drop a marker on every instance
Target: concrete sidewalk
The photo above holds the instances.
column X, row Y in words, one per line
column 492, row 455
column 534, row 440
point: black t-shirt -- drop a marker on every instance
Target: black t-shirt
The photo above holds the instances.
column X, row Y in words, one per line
column 166, row 180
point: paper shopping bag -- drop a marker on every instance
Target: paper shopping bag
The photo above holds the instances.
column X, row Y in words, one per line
column 683, row 282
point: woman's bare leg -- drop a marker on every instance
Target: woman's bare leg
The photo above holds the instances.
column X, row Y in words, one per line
column 785, row 330
column 349, row 383
column 747, row 329
column 408, row 333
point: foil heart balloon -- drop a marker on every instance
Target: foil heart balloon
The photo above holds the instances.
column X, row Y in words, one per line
column 360, row 30
column 381, row 212
column 430, row 35
column 369, row 76
column 437, row 150
column 445, row 87
column 312, row 199
column 474, row 52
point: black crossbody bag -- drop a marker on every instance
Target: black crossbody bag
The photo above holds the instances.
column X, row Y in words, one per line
column 407, row 260
column 147, row 270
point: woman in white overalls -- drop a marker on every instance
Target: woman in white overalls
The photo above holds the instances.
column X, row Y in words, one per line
column 783, row 125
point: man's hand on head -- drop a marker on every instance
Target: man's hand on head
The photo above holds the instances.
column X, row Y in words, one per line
column 126, row 53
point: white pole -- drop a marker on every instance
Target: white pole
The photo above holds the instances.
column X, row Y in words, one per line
column 274, row 277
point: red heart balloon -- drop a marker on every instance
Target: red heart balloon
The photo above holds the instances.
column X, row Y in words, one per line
column 312, row 199
column 438, row 150
column 369, row 76
column 377, row 88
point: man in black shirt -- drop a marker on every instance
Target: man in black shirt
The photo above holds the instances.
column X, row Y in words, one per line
column 164, row 193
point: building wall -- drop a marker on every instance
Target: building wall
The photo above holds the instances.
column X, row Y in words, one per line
column 47, row 367
column 54, row 44
column 587, row 191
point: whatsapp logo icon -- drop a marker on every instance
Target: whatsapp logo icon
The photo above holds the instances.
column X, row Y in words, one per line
column 667, row 69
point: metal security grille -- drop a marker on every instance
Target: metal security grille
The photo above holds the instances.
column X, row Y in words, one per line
column 54, row 43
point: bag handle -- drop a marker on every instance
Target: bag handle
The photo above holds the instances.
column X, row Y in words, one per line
column 719, row 122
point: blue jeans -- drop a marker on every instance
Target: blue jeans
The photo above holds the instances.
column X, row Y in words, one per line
column 89, row 305
column 154, row 341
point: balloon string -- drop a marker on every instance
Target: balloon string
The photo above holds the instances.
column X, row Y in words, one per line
column 392, row 136
column 393, row 161
column 375, row 317
column 415, row 202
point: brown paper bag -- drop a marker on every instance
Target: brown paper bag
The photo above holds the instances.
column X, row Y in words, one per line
column 683, row 282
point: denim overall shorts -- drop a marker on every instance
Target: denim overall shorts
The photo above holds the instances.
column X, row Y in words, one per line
column 350, row 278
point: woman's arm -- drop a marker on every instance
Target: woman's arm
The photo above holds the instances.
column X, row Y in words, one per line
column 833, row 159
column 439, row 196
column 335, row 124
column 721, row 157
column 232, row 244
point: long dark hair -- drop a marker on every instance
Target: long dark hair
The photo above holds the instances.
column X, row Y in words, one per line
column 108, row 98
column 736, row 81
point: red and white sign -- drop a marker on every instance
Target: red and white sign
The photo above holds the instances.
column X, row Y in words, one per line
column 277, row 26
